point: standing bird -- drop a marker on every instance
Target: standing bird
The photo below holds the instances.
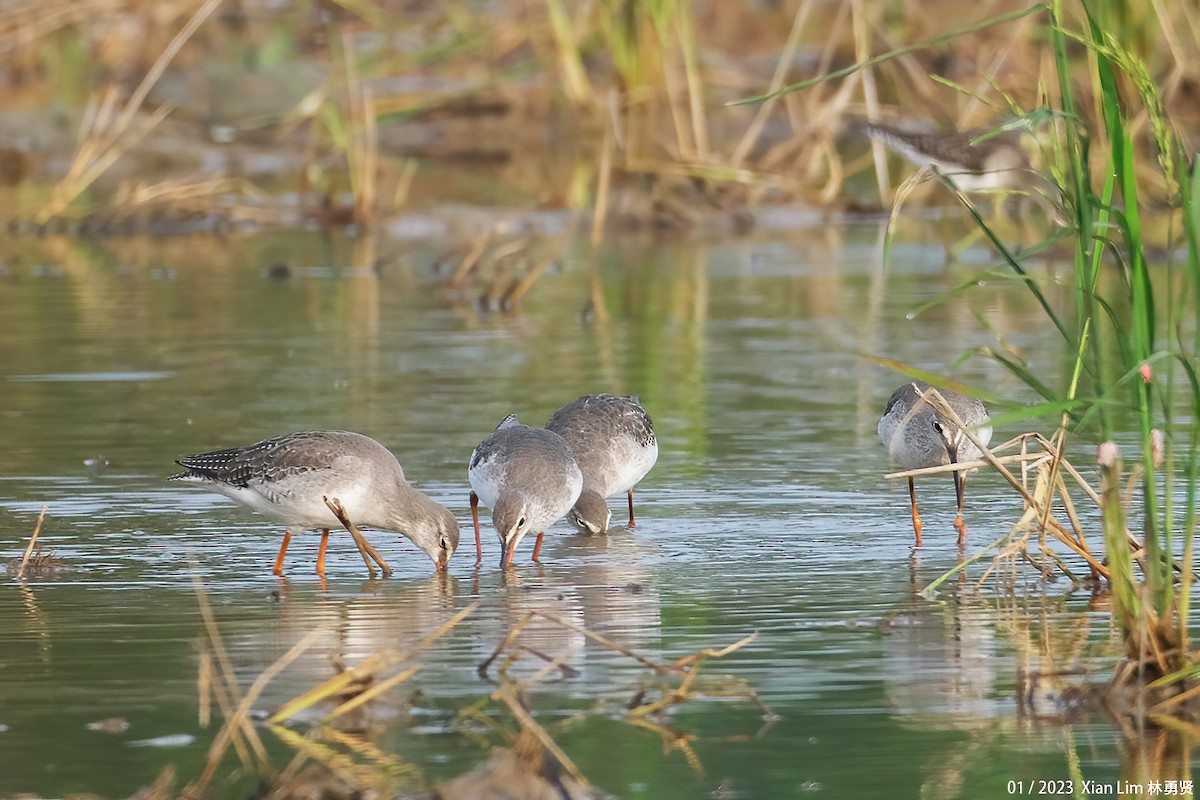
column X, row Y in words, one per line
column 529, row 479
column 289, row 477
column 918, row 436
column 612, row 438
column 974, row 164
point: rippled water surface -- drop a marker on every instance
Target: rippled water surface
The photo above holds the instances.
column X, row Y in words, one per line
column 767, row 514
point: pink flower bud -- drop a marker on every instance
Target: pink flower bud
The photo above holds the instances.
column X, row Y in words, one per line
column 1146, row 373
column 1107, row 453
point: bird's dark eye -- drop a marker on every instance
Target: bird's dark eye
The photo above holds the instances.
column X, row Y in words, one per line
column 937, row 426
column 444, row 544
column 521, row 522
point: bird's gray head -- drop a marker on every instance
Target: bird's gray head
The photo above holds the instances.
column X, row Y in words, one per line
column 510, row 516
column 590, row 513
column 950, row 435
column 435, row 532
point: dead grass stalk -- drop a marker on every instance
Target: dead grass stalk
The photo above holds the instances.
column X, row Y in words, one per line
column 32, row 541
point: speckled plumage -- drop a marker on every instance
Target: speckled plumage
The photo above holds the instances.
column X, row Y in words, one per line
column 612, row 438
column 287, row 477
column 992, row 163
column 917, row 436
column 528, row 477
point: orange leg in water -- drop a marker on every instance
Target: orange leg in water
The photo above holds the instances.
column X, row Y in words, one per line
column 321, row 552
column 537, row 547
column 475, row 519
column 916, row 518
column 631, row 522
column 960, row 486
column 287, row 539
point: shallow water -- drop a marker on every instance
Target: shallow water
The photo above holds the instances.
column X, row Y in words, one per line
column 766, row 514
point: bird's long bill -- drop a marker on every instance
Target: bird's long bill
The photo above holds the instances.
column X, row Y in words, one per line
column 506, row 552
column 443, row 561
column 959, row 478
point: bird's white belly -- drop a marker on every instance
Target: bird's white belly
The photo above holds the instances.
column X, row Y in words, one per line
column 487, row 481
column 630, row 467
column 297, row 506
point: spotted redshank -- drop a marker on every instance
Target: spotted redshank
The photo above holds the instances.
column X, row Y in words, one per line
column 917, row 436
column 289, row 477
column 528, row 478
column 613, row 440
column 974, row 163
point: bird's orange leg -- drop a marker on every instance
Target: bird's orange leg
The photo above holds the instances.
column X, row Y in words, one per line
column 631, row 522
column 960, row 486
column 475, row 519
column 916, row 518
column 321, row 552
column 287, row 538
column 537, row 547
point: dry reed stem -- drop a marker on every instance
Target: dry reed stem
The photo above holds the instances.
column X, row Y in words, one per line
column 596, row 303
column 226, row 705
column 408, row 174
column 604, row 640
column 375, row 691
column 205, row 678
column 1030, row 459
column 862, row 53
column 367, row 668
column 685, row 146
column 227, row 691
column 603, row 185
column 708, row 652
column 195, row 194
column 558, row 662
column 695, row 82
column 339, row 764
column 237, row 719
column 935, row 399
column 241, row 714
column 575, row 78
column 782, row 66
column 689, row 665
column 364, row 547
column 512, row 692
column 362, row 137
column 674, row 740
column 476, row 246
column 32, row 540
column 513, row 633
column 369, row 750
column 108, row 133
column 507, row 695
column 503, row 263
column 520, row 288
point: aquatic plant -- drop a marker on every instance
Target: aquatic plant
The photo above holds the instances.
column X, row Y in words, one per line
column 1131, row 332
column 1130, row 340
column 1128, row 336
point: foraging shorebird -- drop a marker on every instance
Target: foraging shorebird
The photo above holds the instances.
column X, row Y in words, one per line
column 916, row 436
column 289, row 477
column 529, row 479
column 613, row 441
column 996, row 162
